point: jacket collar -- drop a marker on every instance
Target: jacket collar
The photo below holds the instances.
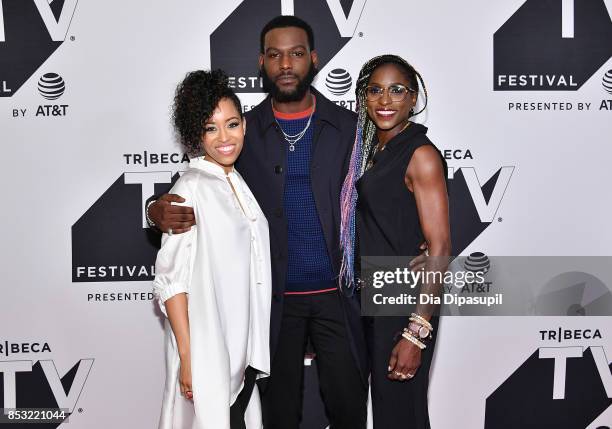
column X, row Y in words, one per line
column 326, row 111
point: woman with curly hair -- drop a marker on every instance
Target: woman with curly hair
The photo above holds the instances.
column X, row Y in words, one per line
column 213, row 282
column 394, row 197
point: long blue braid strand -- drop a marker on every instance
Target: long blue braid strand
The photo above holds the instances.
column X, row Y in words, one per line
column 348, row 196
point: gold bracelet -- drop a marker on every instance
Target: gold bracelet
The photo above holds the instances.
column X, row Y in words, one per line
column 416, row 318
column 406, row 335
column 420, row 323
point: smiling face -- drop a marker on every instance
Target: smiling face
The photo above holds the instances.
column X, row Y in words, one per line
column 288, row 65
column 390, row 116
column 223, row 135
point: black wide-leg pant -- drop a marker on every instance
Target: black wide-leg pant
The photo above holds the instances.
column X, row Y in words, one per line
column 320, row 318
column 239, row 406
column 397, row 404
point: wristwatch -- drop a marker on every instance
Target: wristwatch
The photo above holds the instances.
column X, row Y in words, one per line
column 419, row 331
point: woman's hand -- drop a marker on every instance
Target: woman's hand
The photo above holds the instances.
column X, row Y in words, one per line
column 405, row 361
column 185, row 377
column 176, row 307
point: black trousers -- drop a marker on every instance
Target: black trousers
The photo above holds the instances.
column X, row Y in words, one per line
column 397, row 404
column 239, row 407
column 319, row 318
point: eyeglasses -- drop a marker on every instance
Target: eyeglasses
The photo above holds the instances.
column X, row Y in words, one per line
column 396, row 93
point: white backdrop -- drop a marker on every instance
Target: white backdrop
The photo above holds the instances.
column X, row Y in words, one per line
column 121, row 62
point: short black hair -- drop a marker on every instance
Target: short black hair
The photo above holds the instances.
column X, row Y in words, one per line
column 285, row 21
column 195, row 100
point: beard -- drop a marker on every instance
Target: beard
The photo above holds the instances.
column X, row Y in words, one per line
column 295, row 95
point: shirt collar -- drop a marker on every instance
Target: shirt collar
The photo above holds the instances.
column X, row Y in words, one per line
column 325, row 111
column 200, row 163
column 296, row 116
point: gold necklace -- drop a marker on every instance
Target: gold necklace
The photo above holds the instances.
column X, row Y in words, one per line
column 400, row 131
column 376, row 149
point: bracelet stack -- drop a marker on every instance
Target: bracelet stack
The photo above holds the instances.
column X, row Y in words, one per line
column 419, row 320
column 408, row 335
column 418, row 330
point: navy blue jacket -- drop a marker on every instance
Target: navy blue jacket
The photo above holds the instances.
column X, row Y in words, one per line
column 263, row 164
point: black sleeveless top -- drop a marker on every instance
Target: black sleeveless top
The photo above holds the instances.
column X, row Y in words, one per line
column 387, row 221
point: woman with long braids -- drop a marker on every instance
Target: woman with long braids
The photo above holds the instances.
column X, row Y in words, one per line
column 394, row 197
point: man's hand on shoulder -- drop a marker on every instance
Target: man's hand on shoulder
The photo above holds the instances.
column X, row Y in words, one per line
column 167, row 216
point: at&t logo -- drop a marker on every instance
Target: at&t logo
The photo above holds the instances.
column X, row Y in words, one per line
column 51, row 86
column 477, row 262
column 338, row 81
column 607, row 82
column 30, row 31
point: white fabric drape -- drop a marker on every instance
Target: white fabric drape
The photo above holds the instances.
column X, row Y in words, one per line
column 223, row 264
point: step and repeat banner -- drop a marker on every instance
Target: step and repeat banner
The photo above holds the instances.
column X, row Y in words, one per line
column 520, row 104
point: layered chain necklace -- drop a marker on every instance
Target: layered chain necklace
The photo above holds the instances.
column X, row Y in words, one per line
column 293, row 139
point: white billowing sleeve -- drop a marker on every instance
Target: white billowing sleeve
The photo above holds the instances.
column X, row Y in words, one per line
column 174, row 263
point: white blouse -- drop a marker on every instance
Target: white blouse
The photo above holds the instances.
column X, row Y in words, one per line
column 223, row 264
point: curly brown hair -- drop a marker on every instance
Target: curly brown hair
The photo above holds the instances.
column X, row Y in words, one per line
column 195, row 100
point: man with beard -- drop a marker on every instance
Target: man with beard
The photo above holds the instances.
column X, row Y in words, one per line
column 295, row 157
